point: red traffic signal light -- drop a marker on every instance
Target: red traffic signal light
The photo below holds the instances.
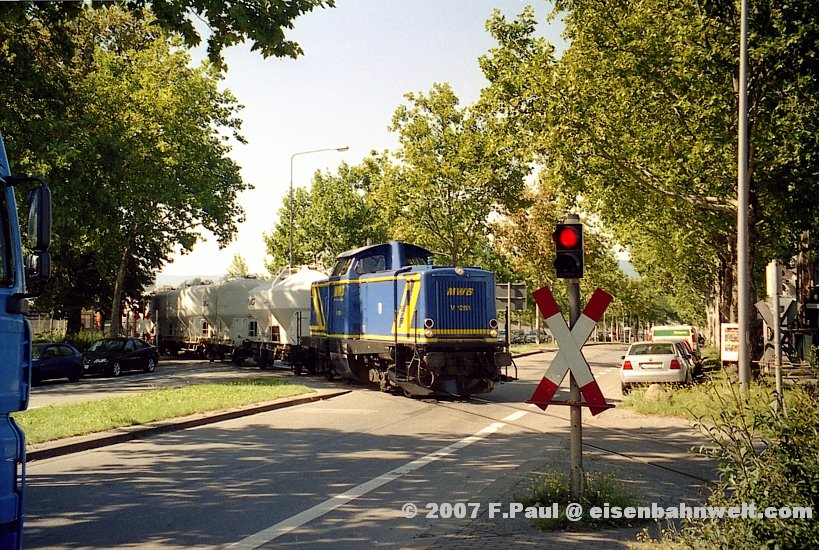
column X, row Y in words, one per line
column 569, row 244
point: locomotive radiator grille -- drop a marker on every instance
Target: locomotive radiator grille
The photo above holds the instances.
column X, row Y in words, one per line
column 461, row 308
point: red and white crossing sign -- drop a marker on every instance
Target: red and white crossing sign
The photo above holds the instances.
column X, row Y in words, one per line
column 569, row 355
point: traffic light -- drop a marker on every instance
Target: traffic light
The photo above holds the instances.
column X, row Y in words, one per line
column 569, row 243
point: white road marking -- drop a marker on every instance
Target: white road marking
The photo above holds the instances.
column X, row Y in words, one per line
column 283, row 527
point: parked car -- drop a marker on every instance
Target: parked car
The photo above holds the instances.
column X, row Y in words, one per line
column 517, row 338
column 113, row 356
column 531, row 336
column 693, row 356
column 650, row 362
column 55, row 360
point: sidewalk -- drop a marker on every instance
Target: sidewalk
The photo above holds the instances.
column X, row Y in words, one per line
column 652, row 478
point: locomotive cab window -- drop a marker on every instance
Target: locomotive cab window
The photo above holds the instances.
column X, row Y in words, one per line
column 371, row 264
column 342, row 267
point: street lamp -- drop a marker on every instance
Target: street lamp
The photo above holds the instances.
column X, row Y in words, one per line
column 293, row 156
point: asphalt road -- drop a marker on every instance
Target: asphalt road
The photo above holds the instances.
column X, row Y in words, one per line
column 333, row 472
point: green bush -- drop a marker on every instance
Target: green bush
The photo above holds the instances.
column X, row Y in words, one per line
column 82, row 340
column 765, row 458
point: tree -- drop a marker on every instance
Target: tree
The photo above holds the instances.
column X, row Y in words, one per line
column 330, row 218
column 238, row 268
column 638, row 118
column 230, row 22
column 456, row 171
column 146, row 161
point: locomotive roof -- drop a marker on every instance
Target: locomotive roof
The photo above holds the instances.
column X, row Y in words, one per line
column 390, row 244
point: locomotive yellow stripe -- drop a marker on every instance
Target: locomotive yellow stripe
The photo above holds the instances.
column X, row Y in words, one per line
column 412, row 277
column 412, row 340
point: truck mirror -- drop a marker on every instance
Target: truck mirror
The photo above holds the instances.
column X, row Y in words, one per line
column 38, row 271
column 39, row 219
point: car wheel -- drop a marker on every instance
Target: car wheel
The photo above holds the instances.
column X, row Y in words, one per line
column 116, row 369
column 150, row 366
column 625, row 388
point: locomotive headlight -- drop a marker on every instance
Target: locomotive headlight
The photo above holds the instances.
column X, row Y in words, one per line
column 493, row 323
column 493, row 333
column 459, row 271
column 429, row 333
column 429, row 323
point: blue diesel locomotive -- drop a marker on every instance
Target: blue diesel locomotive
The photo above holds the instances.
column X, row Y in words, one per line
column 386, row 315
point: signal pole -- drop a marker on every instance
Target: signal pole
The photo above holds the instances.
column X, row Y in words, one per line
column 577, row 476
column 569, row 266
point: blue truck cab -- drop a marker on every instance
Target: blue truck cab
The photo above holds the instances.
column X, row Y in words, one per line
column 20, row 277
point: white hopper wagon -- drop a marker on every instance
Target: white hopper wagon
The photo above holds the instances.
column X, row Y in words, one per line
column 169, row 330
column 282, row 311
column 235, row 323
column 191, row 312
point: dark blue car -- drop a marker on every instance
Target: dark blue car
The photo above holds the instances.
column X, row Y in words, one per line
column 54, row 360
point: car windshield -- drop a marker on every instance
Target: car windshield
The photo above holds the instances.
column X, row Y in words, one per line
column 652, row 349
column 107, row 345
column 37, row 348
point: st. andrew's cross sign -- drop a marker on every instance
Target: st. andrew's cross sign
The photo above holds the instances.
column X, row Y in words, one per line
column 569, row 355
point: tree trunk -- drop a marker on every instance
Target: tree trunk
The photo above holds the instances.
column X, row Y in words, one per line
column 73, row 320
column 116, row 305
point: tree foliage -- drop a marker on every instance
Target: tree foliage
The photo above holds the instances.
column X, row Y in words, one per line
column 456, row 170
column 638, row 118
column 139, row 157
column 333, row 216
column 229, row 22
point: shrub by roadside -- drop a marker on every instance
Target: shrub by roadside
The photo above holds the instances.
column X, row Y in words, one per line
column 765, row 458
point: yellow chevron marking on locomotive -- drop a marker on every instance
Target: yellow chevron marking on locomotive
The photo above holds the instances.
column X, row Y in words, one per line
column 409, row 302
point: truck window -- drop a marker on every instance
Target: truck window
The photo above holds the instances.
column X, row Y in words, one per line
column 5, row 246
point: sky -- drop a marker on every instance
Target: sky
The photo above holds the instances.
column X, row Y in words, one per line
column 360, row 59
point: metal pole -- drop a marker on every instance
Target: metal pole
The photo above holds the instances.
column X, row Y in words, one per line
column 743, row 256
column 777, row 284
column 293, row 156
column 576, row 444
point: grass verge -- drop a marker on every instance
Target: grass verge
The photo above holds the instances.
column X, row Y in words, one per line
column 60, row 421
column 601, row 489
column 707, row 399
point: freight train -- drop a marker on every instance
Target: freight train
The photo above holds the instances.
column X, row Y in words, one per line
column 384, row 315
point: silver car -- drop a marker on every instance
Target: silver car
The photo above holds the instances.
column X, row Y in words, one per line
column 650, row 362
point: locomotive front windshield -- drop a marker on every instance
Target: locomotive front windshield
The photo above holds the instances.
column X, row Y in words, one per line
column 416, row 260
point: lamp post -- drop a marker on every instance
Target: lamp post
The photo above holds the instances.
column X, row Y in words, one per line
column 293, row 156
